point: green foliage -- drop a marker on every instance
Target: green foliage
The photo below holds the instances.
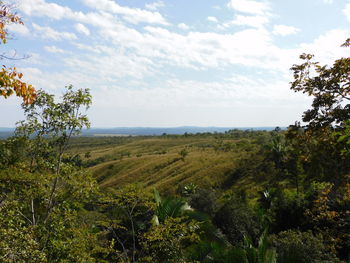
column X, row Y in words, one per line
column 168, row 207
column 205, row 200
column 210, row 252
column 318, row 154
column 287, row 210
column 126, row 216
column 45, row 187
column 166, row 242
column 257, row 166
column 17, row 239
column 343, row 137
column 13, row 152
column 189, row 189
column 237, row 221
column 329, row 215
column 321, row 144
column 329, row 88
column 296, row 246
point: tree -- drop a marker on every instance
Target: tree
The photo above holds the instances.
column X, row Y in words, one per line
column 168, row 241
column 296, row 246
column 321, row 144
column 50, row 191
column 321, row 149
column 17, row 239
column 56, row 122
column 10, row 79
column 237, row 221
column 329, row 215
column 128, row 212
column 329, row 87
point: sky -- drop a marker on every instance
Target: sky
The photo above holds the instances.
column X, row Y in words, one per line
column 168, row 63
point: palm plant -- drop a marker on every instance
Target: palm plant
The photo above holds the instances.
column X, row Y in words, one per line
column 210, row 252
column 168, row 207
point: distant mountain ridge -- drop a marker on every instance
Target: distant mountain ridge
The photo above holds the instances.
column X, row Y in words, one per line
column 166, row 130
column 148, row 131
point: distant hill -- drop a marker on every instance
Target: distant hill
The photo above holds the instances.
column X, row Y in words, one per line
column 6, row 132
column 160, row 131
column 134, row 131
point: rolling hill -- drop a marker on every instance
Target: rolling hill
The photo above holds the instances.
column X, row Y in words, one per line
column 156, row 161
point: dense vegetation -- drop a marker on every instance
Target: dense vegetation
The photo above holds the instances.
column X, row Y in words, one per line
column 242, row 196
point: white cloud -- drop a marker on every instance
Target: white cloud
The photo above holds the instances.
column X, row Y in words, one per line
column 110, row 66
column 49, row 33
column 183, row 26
column 54, row 49
column 34, row 59
column 132, row 15
column 18, row 29
column 328, row 1
column 97, row 19
column 212, row 19
column 42, row 8
column 87, row 48
column 250, row 6
column 55, row 11
column 327, row 47
column 198, row 50
column 283, row 30
column 252, row 21
column 256, row 13
column 82, row 29
column 155, row 5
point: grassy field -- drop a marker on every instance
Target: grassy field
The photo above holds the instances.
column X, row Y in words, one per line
column 156, row 162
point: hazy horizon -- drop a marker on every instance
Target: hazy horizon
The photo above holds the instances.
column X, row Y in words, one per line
column 169, row 127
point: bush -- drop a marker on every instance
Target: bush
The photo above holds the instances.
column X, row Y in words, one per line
column 288, row 209
column 168, row 241
column 237, row 221
column 302, row 247
column 205, row 200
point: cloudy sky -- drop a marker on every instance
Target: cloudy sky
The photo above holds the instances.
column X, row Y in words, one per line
column 176, row 62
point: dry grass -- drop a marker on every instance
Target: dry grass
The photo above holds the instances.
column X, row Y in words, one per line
column 156, row 163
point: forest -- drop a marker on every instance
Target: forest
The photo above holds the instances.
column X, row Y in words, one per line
column 240, row 196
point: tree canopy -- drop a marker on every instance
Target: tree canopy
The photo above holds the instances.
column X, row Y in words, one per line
column 329, row 87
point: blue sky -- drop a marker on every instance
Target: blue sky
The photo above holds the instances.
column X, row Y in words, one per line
column 173, row 63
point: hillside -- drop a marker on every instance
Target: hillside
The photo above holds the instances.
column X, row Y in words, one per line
column 156, row 161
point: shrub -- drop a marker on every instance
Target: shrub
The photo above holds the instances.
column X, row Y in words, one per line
column 237, row 221
column 288, row 209
column 302, row 247
column 205, row 200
